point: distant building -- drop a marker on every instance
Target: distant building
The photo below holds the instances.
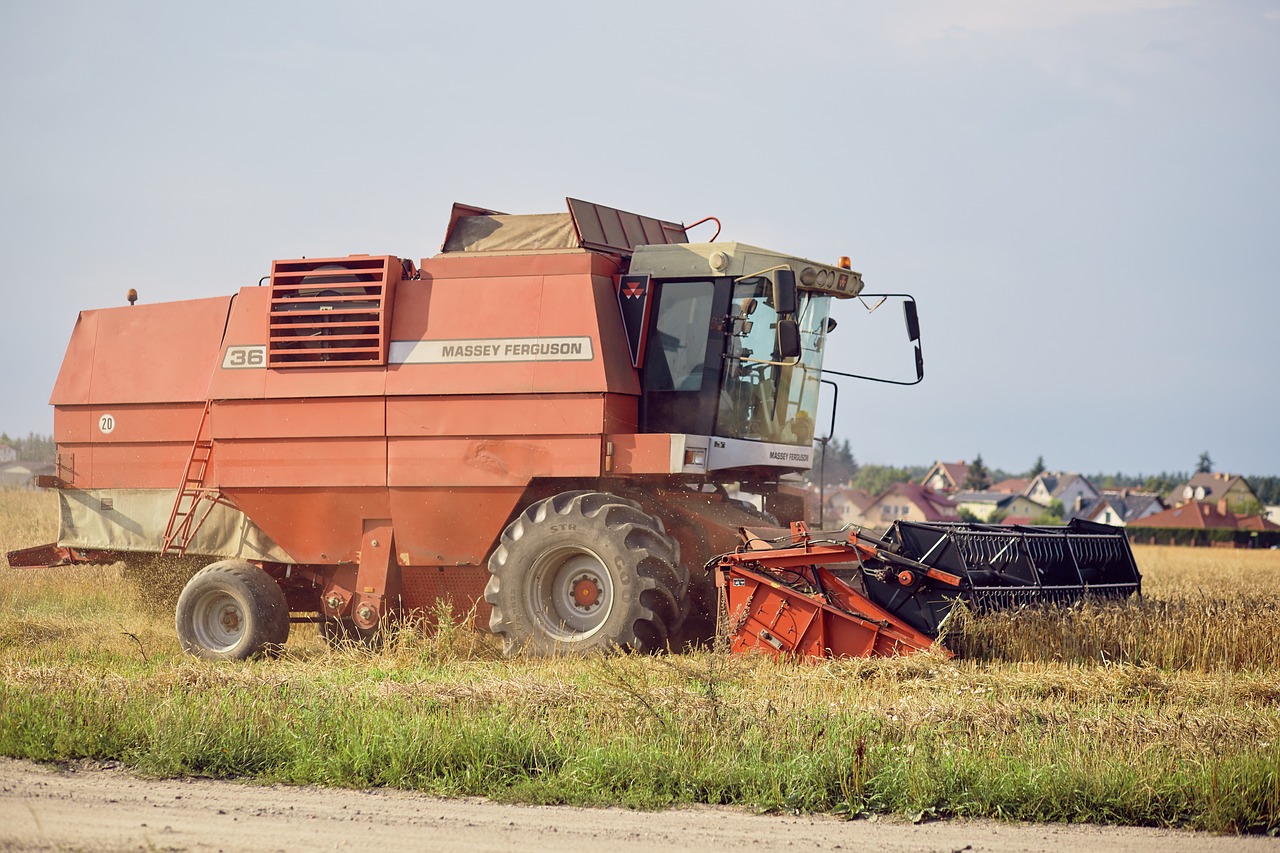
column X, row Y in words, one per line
column 911, row 502
column 1214, row 487
column 21, row 475
column 946, row 477
column 1118, row 508
column 8, row 454
column 1204, row 523
column 984, row 505
column 847, row 506
column 1012, row 486
column 1073, row 490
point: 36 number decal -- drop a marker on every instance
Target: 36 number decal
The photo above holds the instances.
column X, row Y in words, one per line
column 242, row 357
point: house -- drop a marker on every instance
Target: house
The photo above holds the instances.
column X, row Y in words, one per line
column 911, row 502
column 1013, row 486
column 1214, row 487
column 8, row 454
column 847, row 506
column 1118, row 508
column 1202, row 523
column 983, row 505
column 946, row 477
column 21, row 475
column 1071, row 489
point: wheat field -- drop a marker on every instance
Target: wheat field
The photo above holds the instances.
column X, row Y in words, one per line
column 1163, row 711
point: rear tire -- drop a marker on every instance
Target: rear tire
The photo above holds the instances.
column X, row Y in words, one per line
column 231, row 610
column 585, row 572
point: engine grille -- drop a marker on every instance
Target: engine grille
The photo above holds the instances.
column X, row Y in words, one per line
column 331, row 311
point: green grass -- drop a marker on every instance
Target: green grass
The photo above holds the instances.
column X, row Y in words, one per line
column 90, row 669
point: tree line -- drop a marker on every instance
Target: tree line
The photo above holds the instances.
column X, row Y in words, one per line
column 33, row 448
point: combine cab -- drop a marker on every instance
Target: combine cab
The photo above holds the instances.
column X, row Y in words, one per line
column 546, row 424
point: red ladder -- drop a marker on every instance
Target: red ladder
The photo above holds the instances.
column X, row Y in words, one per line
column 183, row 521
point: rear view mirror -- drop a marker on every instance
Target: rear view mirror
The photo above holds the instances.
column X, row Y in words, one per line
column 788, row 339
column 913, row 320
column 784, row 291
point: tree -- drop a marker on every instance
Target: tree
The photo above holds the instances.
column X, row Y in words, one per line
column 1205, row 464
column 874, row 479
column 1036, row 469
column 1052, row 513
column 979, row 477
column 1249, row 506
column 838, row 466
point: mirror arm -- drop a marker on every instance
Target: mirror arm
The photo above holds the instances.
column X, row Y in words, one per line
column 919, row 375
column 835, row 399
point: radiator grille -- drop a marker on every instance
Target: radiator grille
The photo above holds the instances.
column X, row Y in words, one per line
column 331, row 311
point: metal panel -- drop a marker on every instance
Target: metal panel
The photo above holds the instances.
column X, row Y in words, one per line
column 516, row 414
column 512, row 461
column 608, row 229
column 450, row 526
column 313, row 525
column 320, row 462
column 293, row 419
column 461, row 587
column 160, row 353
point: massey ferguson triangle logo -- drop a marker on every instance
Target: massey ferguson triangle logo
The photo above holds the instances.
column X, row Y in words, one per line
column 634, row 302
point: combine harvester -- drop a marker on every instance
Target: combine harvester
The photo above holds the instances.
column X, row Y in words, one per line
column 544, row 422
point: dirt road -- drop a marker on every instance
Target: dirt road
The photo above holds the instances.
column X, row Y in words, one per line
column 104, row 809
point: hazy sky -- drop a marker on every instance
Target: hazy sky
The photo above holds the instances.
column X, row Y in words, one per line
column 1084, row 195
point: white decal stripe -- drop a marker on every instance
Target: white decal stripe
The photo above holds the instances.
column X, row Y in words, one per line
column 491, row 350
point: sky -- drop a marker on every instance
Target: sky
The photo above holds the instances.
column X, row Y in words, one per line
column 1082, row 195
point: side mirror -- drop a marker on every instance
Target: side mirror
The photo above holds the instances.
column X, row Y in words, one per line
column 788, row 338
column 913, row 320
column 784, row 291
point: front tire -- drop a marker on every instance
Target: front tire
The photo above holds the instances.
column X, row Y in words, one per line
column 231, row 610
column 584, row 572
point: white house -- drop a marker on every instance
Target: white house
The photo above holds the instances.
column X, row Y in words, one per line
column 1073, row 490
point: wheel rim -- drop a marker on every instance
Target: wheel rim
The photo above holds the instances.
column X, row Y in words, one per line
column 218, row 621
column 570, row 593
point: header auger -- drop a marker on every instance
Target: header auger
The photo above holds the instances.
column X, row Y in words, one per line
column 548, row 422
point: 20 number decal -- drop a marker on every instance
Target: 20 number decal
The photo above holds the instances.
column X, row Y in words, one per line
column 106, row 424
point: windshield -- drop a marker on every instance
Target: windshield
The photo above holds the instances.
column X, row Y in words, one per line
column 764, row 397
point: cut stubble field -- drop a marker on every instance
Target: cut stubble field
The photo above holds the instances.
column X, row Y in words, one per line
column 1159, row 712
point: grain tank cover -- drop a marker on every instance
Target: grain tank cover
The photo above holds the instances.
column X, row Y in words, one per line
column 586, row 227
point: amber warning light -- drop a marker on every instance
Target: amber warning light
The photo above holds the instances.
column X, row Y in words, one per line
column 845, row 264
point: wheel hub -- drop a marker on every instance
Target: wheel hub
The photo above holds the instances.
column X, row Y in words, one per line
column 585, row 592
column 230, row 619
column 570, row 593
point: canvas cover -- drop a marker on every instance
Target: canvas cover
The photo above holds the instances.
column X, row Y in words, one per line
column 135, row 520
column 522, row 233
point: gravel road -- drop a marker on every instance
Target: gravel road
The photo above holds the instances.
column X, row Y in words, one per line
column 107, row 809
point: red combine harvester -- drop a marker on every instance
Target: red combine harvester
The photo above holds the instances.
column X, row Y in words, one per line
column 544, row 422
